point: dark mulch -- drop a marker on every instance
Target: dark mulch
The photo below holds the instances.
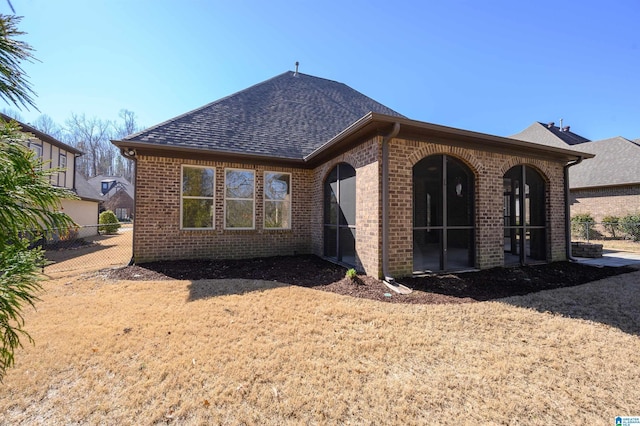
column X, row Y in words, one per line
column 314, row 272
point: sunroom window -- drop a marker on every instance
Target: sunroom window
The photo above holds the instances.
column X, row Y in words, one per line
column 277, row 200
column 197, row 198
column 239, row 199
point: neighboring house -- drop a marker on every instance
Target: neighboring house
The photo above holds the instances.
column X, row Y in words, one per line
column 605, row 185
column 54, row 153
column 117, row 195
column 301, row 164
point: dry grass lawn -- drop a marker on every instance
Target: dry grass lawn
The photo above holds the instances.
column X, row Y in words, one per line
column 240, row 352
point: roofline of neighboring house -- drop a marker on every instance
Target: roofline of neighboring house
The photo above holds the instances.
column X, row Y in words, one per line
column 602, row 186
column 42, row 136
column 371, row 123
column 381, row 123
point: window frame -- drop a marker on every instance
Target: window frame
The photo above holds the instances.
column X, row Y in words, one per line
column 193, row 197
column 265, row 200
column 252, row 199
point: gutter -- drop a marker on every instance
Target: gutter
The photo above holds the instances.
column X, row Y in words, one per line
column 567, row 214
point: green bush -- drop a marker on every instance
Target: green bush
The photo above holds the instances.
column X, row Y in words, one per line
column 630, row 225
column 351, row 274
column 108, row 222
column 582, row 225
column 611, row 224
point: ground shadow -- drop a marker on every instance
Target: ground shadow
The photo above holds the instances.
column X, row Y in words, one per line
column 61, row 255
column 204, row 289
column 613, row 302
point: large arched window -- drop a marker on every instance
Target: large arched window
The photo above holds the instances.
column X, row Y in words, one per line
column 524, row 216
column 340, row 214
column 443, row 214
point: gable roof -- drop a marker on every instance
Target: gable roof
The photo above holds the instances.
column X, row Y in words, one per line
column 96, row 183
column 41, row 135
column 616, row 162
column 288, row 116
column 549, row 134
column 84, row 190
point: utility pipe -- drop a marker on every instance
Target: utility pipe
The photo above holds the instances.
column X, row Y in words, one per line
column 385, row 202
column 567, row 214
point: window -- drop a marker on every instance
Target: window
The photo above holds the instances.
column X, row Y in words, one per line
column 277, row 200
column 62, row 162
column 197, row 197
column 340, row 214
column 36, row 148
column 239, row 190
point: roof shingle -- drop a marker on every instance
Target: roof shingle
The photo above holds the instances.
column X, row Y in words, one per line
column 288, row 116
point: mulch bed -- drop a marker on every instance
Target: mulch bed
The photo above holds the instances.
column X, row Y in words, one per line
column 314, row 272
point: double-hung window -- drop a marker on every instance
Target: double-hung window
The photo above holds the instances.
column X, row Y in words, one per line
column 239, row 199
column 277, row 200
column 197, row 198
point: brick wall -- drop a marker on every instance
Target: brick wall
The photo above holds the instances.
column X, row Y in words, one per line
column 157, row 228
column 489, row 169
column 606, row 201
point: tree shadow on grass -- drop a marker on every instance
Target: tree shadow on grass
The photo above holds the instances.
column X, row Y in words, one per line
column 612, row 301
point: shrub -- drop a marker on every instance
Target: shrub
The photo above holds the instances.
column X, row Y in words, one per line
column 351, row 274
column 611, row 224
column 582, row 225
column 630, row 225
column 108, row 222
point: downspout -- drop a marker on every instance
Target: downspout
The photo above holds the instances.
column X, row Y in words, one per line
column 567, row 214
column 131, row 155
column 385, row 202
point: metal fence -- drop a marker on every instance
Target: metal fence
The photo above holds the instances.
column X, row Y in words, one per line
column 621, row 230
column 88, row 248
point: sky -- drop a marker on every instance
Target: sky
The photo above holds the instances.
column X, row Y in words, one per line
column 492, row 66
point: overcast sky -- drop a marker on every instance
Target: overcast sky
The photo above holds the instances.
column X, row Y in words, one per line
column 490, row 66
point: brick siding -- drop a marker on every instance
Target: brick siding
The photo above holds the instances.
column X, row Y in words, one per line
column 606, row 201
column 158, row 235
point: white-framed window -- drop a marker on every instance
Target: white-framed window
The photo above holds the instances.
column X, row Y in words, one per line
column 197, row 197
column 62, row 161
column 239, row 199
column 277, row 200
column 37, row 148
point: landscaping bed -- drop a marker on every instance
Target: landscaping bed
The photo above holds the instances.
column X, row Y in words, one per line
column 314, row 272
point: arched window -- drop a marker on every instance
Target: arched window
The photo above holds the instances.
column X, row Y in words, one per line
column 443, row 214
column 340, row 214
column 524, row 216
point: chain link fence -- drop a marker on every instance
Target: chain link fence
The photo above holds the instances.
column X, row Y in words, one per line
column 87, row 248
column 613, row 230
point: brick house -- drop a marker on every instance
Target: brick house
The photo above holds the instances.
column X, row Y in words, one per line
column 605, row 185
column 300, row 164
column 117, row 195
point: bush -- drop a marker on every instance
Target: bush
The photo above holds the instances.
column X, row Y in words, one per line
column 630, row 225
column 108, row 222
column 611, row 224
column 351, row 274
column 582, row 225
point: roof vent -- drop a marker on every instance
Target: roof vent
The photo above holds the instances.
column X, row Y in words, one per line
column 295, row 74
column 550, row 124
column 566, row 129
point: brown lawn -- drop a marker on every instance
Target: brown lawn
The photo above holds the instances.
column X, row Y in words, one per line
column 258, row 352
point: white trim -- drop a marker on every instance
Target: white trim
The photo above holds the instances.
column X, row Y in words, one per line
column 265, row 200
column 191, row 197
column 253, row 199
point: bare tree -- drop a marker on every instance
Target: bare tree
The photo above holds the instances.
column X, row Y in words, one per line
column 91, row 135
column 45, row 124
column 126, row 127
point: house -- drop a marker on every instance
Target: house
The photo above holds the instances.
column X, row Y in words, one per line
column 605, row 185
column 56, row 154
column 117, row 195
column 301, row 164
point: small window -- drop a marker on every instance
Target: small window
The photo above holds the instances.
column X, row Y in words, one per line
column 36, row 148
column 239, row 206
column 62, row 162
column 277, row 200
column 197, row 197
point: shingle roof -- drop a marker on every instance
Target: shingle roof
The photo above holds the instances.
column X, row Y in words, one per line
column 86, row 191
column 616, row 162
column 96, row 183
column 549, row 134
column 288, row 116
